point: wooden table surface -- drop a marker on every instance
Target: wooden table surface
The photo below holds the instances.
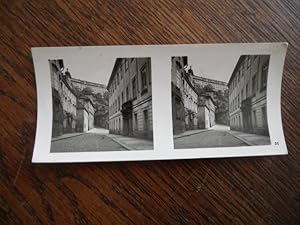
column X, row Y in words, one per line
column 261, row 190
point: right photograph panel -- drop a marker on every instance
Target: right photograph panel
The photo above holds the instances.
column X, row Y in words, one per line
column 220, row 109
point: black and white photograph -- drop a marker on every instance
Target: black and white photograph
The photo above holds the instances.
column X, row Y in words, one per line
column 158, row 102
column 101, row 105
column 219, row 108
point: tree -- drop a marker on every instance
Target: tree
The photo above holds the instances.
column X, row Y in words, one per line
column 77, row 91
column 87, row 91
column 220, row 99
column 208, row 88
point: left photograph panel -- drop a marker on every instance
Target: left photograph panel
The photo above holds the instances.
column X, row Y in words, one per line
column 104, row 110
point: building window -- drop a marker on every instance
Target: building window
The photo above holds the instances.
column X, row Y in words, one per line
column 242, row 69
column 127, row 94
column 126, row 64
column 178, row 74
column 254, row 85
column 146, row 120
column 233, row 104
column 120, row 72
column 134, row 88
column 264, row 117
column 248, row 61
column 136, row 121
column 178, row 108
column 144, row 79
column 264, row 76
column 122, row 98
column 254, row 119
column 234, row 83
column 242, row 94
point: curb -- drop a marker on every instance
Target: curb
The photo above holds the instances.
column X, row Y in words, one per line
column 191, row 134
column 67, row 137
column 241, row 139
column 120, row 143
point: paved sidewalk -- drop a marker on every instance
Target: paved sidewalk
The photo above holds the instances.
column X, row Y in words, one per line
column 189, row 133
column 131, row 143
column 251, row 139
column 65, row 136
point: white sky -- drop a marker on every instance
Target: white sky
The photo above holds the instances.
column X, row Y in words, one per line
column 215, row 67
column 93, row 67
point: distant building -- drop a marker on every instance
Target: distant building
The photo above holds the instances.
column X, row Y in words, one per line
column 248, row 94
column 82, row 84
column 63, row 99
column 85, row 114
column 206, row 111
column 184, row 96
column 130, row 98
column 216, row 84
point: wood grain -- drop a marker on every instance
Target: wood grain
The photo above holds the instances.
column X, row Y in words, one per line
column 262, row 190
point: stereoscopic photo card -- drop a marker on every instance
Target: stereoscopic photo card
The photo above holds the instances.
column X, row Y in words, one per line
column 158, row 102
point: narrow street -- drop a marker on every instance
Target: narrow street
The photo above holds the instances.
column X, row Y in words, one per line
column 208, row 138
column 86, row 142
column 98, row 139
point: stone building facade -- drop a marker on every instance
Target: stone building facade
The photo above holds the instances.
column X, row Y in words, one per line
column 85, row 114
column 206, row 111
column 184, row 96
column 63, row 99
column 248, row 94
column 71, row 113
column 130, row 98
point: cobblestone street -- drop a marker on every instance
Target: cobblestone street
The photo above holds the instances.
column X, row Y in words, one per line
column 86, row 143
column 209, row 138
column 98, row 139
